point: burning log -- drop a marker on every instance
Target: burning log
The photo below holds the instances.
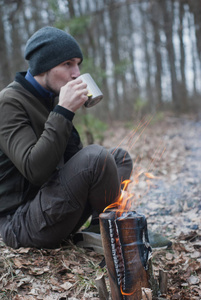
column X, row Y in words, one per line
column 127, row 252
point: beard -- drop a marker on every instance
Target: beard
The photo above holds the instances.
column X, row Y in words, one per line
column 52, row 89
column 50, row 85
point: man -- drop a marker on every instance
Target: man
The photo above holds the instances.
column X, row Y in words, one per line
column 49, row 183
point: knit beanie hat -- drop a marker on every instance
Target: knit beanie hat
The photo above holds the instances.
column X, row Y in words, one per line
column 48, row 47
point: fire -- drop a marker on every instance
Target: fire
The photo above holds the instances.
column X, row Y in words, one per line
column 124, row 202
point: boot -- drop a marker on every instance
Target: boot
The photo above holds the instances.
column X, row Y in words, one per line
column 91, row 238
column 157, row 240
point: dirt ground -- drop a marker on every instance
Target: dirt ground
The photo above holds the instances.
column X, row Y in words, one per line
column 166, row 188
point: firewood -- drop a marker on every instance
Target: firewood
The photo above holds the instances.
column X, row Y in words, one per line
column 127, row 253
column 163, row 278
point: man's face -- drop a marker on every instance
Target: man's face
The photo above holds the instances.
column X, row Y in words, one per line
column 57, row 77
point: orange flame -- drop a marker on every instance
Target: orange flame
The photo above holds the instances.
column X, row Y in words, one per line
column 123, row 203
column 125, row 200
column 149, row 175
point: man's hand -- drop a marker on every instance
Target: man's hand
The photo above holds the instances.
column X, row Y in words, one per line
column 73, row 95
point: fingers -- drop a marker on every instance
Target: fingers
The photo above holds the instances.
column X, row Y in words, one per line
column 73, row 95
column 79, row 86
column 78, row 83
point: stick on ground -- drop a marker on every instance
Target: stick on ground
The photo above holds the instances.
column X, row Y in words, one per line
column 102, row 289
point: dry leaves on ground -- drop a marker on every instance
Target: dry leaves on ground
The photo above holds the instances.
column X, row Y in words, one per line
column 29, row 273
column 169, row 195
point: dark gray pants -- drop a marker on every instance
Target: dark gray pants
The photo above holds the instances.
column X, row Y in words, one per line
column 88, row 182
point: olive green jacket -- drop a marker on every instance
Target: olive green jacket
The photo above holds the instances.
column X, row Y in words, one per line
column 34, row 136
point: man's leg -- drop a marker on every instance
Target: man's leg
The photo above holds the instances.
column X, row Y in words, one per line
column 123, row 162
column 124, row 168
column 88, row 181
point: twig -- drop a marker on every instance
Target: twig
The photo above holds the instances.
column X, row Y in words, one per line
column 146, row 294
column 102, row 289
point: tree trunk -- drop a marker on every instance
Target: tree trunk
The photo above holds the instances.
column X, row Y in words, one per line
column 5, row 75
column 167, row 9
column 183, row 89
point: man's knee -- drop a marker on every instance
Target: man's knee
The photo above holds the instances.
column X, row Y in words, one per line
column 114, row 158
column 123, row 162
column 121, row 156
column 101, row 158
column 88, row 166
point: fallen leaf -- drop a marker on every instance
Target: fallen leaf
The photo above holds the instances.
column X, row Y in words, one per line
column 169, row 256
column 193, row 279
column 66, row 285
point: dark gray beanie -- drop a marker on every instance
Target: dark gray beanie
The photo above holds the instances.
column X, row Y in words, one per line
column 48, row 47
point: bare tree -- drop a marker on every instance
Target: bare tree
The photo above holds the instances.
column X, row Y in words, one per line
column 16, row 38
column 167, row 10
column 113, row 17
column 131, row 30
column 155, row 22
column 133, row 41
column 147, row 61
column 71, row 8
column 195, row 7
column 183, row 89
column 4, row 61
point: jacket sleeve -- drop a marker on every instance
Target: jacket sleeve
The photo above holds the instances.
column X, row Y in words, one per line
column 35, row 157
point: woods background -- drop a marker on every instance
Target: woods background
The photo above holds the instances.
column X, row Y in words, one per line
column 144, row 55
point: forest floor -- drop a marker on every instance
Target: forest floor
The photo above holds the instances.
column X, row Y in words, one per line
column 166, row 184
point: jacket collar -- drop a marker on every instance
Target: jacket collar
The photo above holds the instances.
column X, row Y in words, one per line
column 48, row 102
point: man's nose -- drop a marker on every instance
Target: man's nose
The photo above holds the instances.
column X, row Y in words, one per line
column 76, row 72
